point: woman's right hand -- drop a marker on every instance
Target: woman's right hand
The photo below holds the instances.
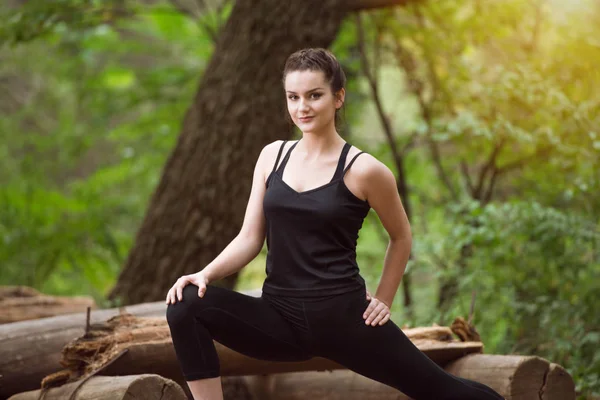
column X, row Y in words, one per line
column 176, row 292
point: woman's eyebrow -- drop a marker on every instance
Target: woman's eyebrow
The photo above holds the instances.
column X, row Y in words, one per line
column 311, row 90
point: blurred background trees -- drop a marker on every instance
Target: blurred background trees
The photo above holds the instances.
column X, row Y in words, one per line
column 486, row 111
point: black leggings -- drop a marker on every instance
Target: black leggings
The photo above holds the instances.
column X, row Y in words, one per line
column 288, row 329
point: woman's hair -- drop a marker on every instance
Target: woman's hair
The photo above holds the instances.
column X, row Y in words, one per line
column 318, row 59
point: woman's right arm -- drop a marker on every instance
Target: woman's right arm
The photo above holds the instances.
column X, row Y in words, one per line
column 249, row 241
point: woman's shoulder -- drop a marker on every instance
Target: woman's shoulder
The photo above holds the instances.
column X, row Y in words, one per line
column 269, row 153
column 277, row 145
column 365, row 165
column 271, row 150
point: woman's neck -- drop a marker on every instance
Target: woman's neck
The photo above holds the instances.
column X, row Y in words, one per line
column 318, row 145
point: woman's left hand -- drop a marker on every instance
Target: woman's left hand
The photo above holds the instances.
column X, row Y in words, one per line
column 377, row 313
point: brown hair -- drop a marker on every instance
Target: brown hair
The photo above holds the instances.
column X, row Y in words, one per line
column 318, row 59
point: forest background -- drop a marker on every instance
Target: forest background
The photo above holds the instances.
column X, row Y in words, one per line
column 487, row 111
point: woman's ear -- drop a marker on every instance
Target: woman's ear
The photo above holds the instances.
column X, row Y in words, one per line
column 339, row 98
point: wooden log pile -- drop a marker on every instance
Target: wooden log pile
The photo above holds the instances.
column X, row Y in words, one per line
column 20, row 303
column 137, row 343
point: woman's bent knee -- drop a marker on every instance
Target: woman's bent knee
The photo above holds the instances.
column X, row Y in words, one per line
column 184, row 308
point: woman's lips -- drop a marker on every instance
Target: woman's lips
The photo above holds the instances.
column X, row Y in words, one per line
column 305, row 119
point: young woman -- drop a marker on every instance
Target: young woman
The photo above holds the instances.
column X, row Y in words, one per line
column 309, row 199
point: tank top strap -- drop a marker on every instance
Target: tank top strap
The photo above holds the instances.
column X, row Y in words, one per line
column 351, row 162
column 285, row 159
column 279, row 155
column 341, row 162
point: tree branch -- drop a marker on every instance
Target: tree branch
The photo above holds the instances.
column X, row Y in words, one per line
column 387, row 128
column 487, row 196
column 491, row 164
column 465, row 171
column 407, row 62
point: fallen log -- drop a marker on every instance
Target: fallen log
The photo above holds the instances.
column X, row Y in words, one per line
column 21, row 303
column 517, row 377
column 148, row 387
column 514, row 377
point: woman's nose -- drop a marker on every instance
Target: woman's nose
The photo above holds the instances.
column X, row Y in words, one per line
column 303, row 105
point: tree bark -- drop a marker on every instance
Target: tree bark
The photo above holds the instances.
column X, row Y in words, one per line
column 21, row 303
column 198, row 206
column 148, row 387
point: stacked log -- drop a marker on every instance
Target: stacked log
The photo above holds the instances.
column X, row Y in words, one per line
column 124, row 344
column 147, row 386
column 21, row 303
column 31, row 350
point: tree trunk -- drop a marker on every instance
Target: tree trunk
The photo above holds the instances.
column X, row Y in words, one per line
column 21, row 303
column 199, row 204
column 147, row 387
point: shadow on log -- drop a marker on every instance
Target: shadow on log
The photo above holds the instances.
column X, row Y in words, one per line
column 147, row 387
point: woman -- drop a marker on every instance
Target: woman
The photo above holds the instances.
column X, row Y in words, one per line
column 309, row 198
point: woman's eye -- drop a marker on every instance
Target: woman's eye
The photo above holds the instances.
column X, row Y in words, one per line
column 316, row 95
column 292, row 97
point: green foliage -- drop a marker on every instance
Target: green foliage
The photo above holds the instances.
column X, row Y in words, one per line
column 41, row 17
column 87, row 129
column 538, row 268
column 504, row 99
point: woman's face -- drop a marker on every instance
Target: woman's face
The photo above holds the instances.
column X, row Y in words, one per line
column 310, row 101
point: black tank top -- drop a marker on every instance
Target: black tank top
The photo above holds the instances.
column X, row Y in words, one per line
column 312, row 235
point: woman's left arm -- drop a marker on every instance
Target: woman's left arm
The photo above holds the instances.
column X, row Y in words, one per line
column 379, row 185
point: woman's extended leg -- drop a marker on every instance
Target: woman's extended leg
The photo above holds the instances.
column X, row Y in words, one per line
column 246, row 324
column 385, row 354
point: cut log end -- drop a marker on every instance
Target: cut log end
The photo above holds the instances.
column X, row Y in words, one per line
column 517, row 377
column 558, row 384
